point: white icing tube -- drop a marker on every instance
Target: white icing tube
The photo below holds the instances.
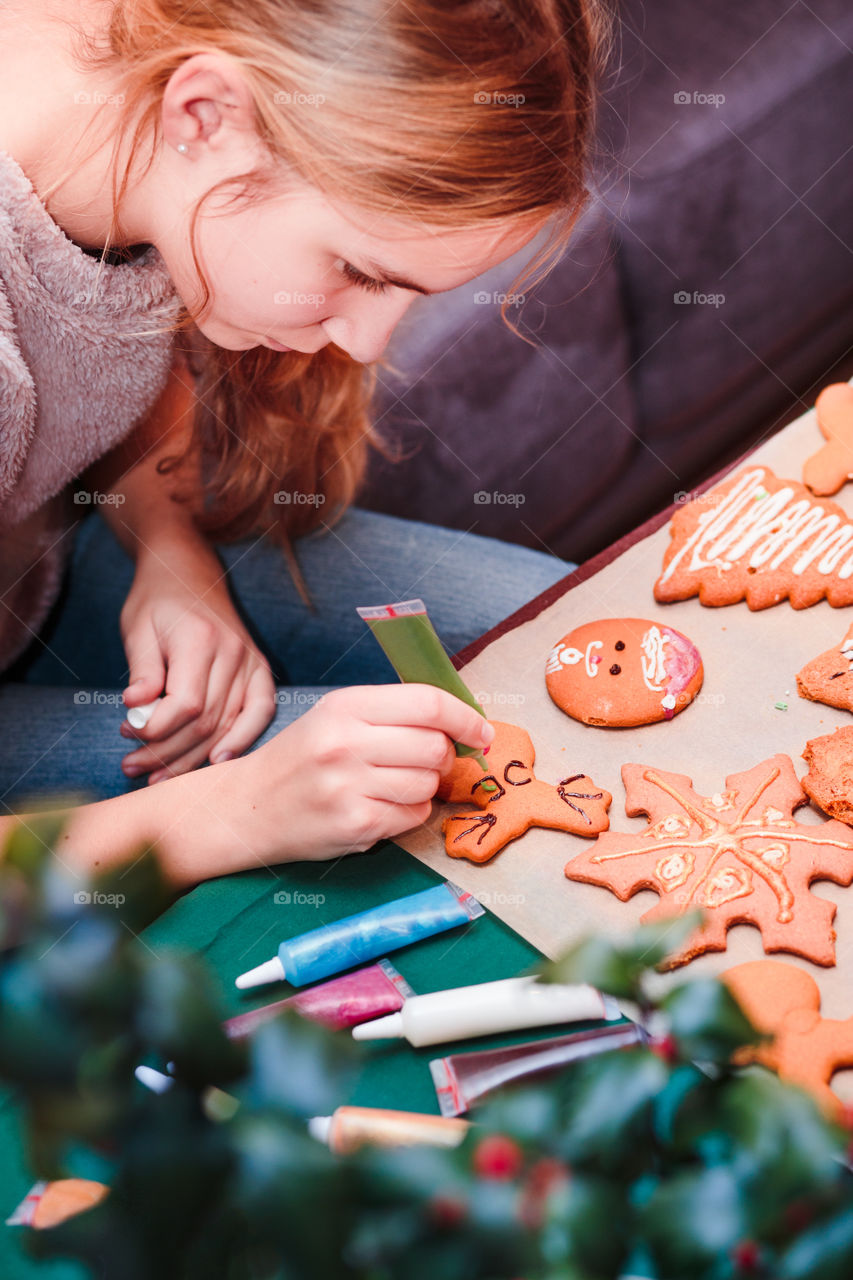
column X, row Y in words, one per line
column 487, row 1008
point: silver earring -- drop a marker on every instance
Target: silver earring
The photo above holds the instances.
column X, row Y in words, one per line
column 182, row 148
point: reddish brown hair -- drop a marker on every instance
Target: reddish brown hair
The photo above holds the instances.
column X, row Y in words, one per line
column 456, row 115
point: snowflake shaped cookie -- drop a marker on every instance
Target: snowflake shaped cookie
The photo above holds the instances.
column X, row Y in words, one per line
column 742, row 861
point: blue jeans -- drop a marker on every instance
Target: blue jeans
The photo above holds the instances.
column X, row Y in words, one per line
column 60, row 706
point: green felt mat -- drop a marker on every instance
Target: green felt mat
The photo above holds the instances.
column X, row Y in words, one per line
column 237, row 922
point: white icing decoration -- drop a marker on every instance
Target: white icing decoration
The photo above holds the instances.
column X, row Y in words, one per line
column 592, row 667
column 668, row 701
column 654, row 670
column 772, row 527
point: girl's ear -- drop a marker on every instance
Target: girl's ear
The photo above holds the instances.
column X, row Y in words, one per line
column 207, row 103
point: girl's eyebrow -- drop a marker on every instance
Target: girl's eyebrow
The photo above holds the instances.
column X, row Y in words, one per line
column 401, row 282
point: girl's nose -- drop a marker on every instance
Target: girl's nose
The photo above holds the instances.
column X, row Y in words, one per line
column 363, row 326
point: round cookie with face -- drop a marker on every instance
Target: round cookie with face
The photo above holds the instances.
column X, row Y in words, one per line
column 621, row 672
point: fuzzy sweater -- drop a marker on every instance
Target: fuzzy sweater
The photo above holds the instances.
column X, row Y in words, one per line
column 80, row 364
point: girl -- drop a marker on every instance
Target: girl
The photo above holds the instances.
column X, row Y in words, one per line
column 212, row 216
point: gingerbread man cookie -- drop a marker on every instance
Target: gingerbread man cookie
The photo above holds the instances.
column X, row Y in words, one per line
column 828, row 469
column 623, row 671
column 738, row 855
column 829, row 780
column 829, row 677
column 760, row 539
column 517, row 800
column 784, row 1002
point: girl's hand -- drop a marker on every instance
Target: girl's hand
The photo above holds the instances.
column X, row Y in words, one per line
column 183, row 637
column 362, row 765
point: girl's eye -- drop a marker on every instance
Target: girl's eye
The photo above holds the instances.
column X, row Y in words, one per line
column 364, row 282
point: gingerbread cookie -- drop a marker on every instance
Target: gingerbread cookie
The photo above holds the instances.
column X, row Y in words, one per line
column 762, row 539
column 517, row 800
column 829, row 677
column 828, row 469
column 623, row 671
column 784, row 1002
column 829, row 780
column 738, row 855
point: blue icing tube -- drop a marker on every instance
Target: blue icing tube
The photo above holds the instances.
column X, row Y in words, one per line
column 334, row 947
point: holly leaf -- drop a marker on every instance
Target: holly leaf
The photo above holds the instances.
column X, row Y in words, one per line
column 707, row 1022
column 617, row 966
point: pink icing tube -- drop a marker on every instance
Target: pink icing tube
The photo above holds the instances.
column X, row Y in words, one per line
column 465, row 1078
column 343, row 1002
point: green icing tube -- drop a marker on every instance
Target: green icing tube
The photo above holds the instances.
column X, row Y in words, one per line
column 414, row 650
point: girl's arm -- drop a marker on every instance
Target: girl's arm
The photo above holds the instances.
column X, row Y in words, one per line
column 360, row 766
column 181, row 632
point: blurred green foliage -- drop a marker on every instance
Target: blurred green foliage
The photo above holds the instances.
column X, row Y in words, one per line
column 663, row 1161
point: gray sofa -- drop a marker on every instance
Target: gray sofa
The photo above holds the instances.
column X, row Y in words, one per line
column 707, row 295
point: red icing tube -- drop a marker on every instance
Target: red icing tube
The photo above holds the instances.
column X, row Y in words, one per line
column 464, row 1078
column 342, row 1002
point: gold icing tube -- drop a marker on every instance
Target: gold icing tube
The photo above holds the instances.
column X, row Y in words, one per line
column 350, row 1128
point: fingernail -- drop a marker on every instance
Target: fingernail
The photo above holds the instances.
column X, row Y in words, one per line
column 221, row 756
column 157, row 777
column 131, row 770
column 487, row 733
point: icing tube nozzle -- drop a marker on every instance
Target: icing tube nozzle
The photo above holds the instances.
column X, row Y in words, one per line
column 387, row 1028
column 269, row 971
column 138, row 717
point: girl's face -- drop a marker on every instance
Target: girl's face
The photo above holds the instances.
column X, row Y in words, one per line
column 289, row 268
column 298, row 272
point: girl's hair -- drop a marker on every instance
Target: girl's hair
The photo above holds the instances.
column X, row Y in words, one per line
column 454, row 113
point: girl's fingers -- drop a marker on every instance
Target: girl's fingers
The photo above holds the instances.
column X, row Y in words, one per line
column 399, row 747
column 257, row 711
column 181, row 764
column 418, row 705
column 404, row 787
column 188, row 673
column 146, row 668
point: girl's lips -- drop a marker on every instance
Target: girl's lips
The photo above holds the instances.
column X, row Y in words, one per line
column 277, row 346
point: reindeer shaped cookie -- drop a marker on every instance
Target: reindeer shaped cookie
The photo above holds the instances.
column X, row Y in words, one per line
column 510, row 799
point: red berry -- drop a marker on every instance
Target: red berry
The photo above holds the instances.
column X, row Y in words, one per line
column 747, row 1256
column 666, row 1048
column 498, row 1157
column 447, row 1211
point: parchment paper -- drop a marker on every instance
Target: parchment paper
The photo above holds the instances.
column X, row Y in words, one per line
column 750, row 659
